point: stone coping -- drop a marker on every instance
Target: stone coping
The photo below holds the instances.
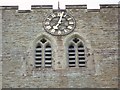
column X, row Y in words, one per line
column 9, row 7
column 41, row 6
column 109, row 5
column 84, row 6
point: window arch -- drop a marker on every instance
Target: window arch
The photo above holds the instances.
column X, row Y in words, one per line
column 76, row 53
column 43, row 54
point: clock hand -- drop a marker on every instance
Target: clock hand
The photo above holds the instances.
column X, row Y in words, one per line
column 59, row 22
column 61, row 15
column 55, row 27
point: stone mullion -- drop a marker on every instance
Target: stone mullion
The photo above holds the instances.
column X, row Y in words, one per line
column 76, row 56
column 43, row 56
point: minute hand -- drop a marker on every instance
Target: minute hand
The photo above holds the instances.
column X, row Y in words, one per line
column 61, row 15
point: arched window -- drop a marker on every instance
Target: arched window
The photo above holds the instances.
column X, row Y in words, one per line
column 76, row 53
column 43, row 54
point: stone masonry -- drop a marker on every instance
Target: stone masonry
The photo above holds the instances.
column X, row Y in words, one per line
column 97, row 28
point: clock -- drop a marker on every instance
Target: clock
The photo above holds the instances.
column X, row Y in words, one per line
column 59, row 23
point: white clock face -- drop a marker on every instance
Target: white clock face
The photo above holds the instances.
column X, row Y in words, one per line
column 59, row 23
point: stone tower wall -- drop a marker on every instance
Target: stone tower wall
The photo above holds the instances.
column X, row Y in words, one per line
column 97, row 28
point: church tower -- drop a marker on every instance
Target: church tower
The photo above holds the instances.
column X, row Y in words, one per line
column 74, row 47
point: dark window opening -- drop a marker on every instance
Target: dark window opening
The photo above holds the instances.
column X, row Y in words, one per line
column 43, row 40
column 71, row 62
column 81, row 54
column 38, row 51
column 38, row 55
column 80, row 50
column 71, row 58
column 82, row 58
column 37, row 62
column 82, row 62
column 48, row 63
column 47, row 54
column 76, row 40
column 48, row 58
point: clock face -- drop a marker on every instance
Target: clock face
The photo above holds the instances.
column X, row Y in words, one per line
column 59, row 23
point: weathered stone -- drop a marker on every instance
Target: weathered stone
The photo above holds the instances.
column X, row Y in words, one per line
column 97, row 28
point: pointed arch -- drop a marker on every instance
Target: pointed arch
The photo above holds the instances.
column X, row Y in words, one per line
column 80, row 44
column 76, row 53
column 46, row 42
column 43, row 53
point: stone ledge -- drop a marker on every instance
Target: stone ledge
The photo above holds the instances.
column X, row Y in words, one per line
column 76, row 6
column 42, row 7
column 109, row 6
column 9, row 7
column 23, row 11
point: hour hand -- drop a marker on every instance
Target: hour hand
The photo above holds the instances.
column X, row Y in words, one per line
column 55, row 27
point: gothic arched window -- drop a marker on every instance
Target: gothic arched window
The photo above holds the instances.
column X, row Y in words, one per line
column 76, row 53
column 43, row 54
